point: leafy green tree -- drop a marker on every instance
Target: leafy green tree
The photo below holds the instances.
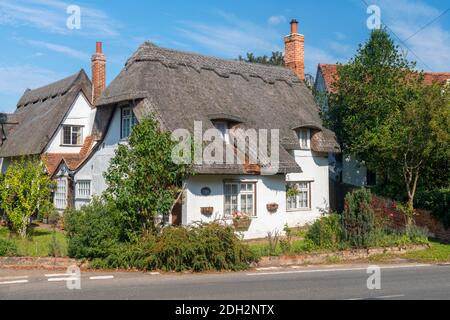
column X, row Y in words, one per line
column 422, row 131
column 143, row 181
column 276, row 59
column 385, row 116
column 25, row 190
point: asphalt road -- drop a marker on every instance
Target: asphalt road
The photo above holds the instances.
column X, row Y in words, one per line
column 296, row 283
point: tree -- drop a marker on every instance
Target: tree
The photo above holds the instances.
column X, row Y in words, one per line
column 423, row 131
column 25, row 190
column 385, row 116
column 276, row 59
column 142, row 179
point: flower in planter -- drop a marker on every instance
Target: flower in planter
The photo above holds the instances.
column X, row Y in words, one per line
column 272, row 207
column 238, row 216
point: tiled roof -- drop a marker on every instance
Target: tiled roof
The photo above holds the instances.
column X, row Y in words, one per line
column 72, row 160
column 329, row 73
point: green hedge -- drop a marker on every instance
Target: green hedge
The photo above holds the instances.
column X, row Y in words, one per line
column 438, row 202
column 98, row 233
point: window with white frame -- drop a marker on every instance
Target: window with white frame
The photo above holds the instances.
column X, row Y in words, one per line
column 61, row 194
column 127, row 120
column 72, row 135
column 304, row 137
column 224, row 130
column 240, row 197
column 84, row 189
column 299, row 196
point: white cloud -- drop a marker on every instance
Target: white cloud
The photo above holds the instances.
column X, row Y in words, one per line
column 16, row 79
column 431, row 45
column 60, row 49
column 51, row 16
column 314, row 56
column 274, row 20
column 232, row 37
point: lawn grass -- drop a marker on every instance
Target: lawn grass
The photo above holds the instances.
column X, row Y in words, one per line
column 38, row 244
column 438, row 252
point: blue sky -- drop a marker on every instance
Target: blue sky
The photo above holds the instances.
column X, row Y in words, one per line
column 37, row 47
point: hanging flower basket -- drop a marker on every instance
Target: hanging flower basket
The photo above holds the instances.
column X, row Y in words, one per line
column 272, row 207
column 207, row 211
column 241, row 221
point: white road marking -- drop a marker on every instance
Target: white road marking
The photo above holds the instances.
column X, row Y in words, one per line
column 14, row 282
column 390, row 297
column 336, row 270
column 58, row 275
column 268, row 268
column 101, row 278
column 155, row 273
column 14, row 278
column 63, row 279
column 381, row 297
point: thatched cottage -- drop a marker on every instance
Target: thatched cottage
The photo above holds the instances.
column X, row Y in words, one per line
column 54, row 123
column 183, row 89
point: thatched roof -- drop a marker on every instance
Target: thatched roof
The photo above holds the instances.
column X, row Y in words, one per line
column 39, row 114
column 184, row 87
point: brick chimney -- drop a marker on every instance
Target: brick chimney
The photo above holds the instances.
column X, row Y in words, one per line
column 294, row 56
column 98, row 73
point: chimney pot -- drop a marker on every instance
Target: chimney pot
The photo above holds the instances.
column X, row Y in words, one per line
column 98, row 47
column 294, row 26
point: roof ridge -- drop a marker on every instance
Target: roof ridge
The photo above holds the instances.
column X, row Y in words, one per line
column 149, row 51
column 49, row 90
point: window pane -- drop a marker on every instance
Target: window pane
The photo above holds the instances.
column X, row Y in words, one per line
column 60, row 195
column 67, row 135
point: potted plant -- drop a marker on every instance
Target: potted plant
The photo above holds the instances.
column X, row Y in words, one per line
column 291, row 191
column 272, row 207
column 207, row 211
column 241, row 221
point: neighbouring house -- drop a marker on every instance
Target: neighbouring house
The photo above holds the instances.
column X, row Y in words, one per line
column 181, row 89
column 54, row 123
column 343, row 167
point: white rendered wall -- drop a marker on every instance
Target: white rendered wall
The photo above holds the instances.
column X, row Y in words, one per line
column 80, row 114
column 269, row 189
column 98, row 163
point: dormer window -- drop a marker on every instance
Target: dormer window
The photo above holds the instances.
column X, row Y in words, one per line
column 304, row 136
column 224, row 128
column 72, row 135
column 128, row 120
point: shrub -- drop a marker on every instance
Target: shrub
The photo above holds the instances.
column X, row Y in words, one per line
column 438, row 202
column 358, row 218
column 132, row 255
column 416, row 234
column 94, row 231
column 327, row 233
column 54, row 247
column 200, row 248
column 7, row 248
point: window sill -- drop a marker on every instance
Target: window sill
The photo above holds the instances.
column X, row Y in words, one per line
column 71, row 145
column 299, row 210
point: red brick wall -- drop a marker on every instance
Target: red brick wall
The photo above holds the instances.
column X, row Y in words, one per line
column 98, row 73
column 294, row 57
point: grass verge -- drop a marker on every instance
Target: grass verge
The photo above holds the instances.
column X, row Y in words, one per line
column 38, row 244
